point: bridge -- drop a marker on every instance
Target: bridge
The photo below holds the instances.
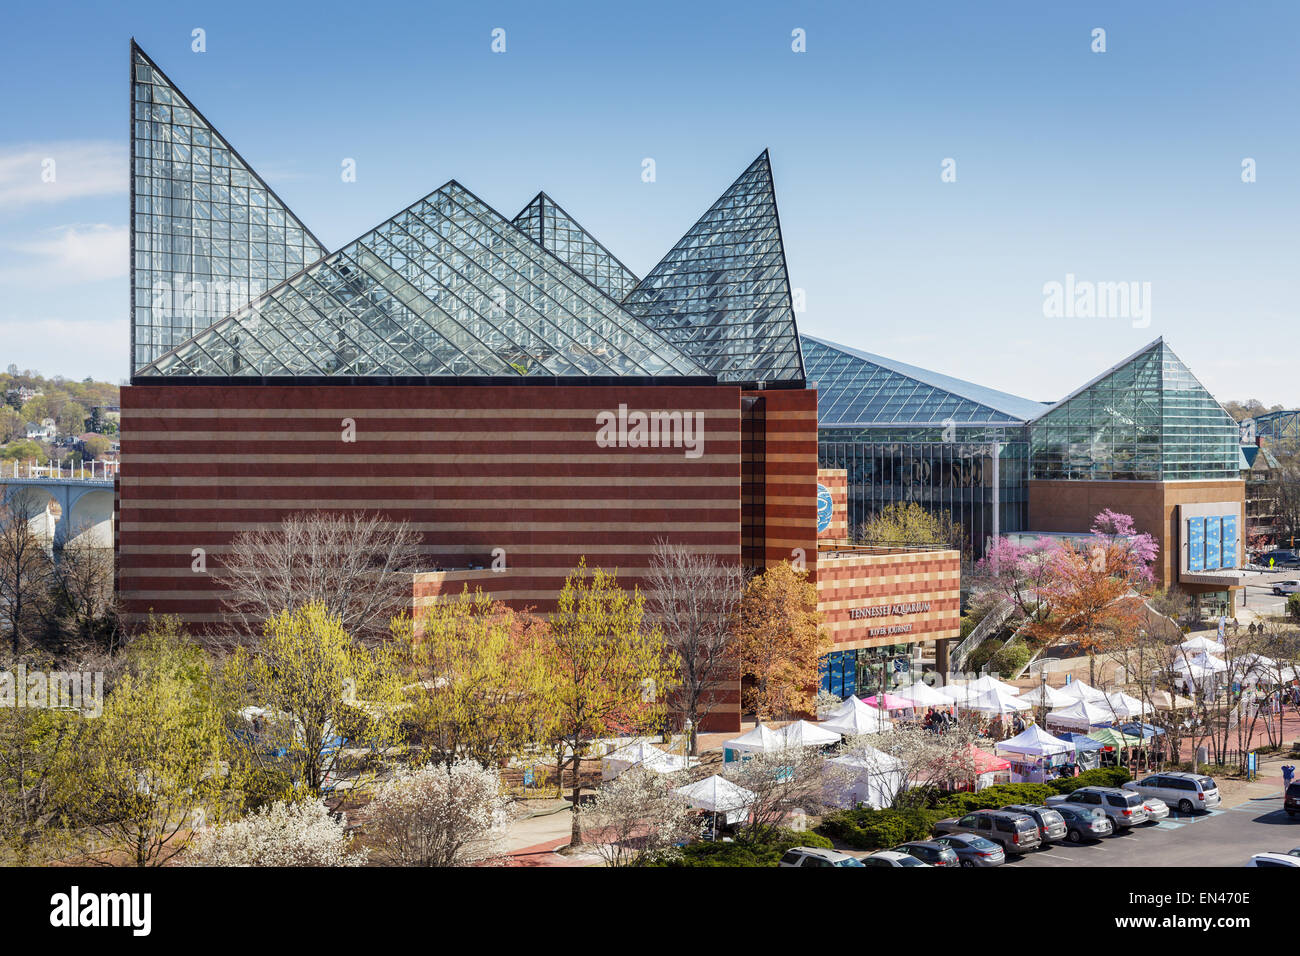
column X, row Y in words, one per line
column 62, row 503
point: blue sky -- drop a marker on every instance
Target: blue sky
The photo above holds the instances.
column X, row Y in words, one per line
column 1122, row 166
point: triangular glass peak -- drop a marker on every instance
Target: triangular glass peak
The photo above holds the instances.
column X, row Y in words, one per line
column 1146, row 419
column 722, row 294
column 208, row 234
column 447, row 287
column 560, row 234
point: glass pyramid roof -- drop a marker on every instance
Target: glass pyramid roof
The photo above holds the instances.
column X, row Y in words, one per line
column 208, row 235
column 447, row 287
column 722, row 293
column 559, row 233
column 1145, row 419
column 862, row 390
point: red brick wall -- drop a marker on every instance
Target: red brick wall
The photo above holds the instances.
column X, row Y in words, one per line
column 789, row 481
column 472, row 468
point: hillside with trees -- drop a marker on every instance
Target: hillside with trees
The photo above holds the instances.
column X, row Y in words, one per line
column 75, row 421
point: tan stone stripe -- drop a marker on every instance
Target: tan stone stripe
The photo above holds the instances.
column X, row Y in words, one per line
column 620, row 455
column 470, row 550
column 559, row 570
column 461, row 526
column 420, row 481
column 335, row 435
column 458, row 504
column 425, row 412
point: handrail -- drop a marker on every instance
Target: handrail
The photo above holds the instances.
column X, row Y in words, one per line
column 990, row 625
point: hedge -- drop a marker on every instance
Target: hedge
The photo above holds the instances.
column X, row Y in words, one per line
column 766, row 852
column 867, row 829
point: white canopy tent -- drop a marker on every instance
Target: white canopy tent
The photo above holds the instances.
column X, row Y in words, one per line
column 989, row 682
column 1207, row 663
column 1035, row 741
column 639, row 754
column 994, row 701
column 859, row 719
column 876, row 779
column 923, row 695
column 959, row 694
column 1044, row 695
column 718, row 795
column 1124, row 705
column 763, row 739
column 1203, row 645
column 1078, row 690
column 1080, row 716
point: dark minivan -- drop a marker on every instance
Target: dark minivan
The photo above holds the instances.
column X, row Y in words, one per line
column 1014, row 832
column 1292, row 801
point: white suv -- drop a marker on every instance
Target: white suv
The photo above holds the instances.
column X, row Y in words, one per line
column 1286, row 587
column 1186, row 791
column 1124, row 807
column 806, row 856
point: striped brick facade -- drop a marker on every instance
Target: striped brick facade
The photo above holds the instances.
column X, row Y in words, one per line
column 780, row 476
column 471, row 468
column 855, row 586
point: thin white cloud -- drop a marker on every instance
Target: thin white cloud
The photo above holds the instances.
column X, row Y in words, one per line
column 71, row 347
column 60, row 171
column 69, row 254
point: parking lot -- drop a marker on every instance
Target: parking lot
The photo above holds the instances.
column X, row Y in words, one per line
column 1223, row 837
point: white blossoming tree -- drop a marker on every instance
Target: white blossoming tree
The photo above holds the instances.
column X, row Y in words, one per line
column 438, row 815
column 283, row 834
column 635, row 814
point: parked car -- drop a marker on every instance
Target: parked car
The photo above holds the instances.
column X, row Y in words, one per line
column 806, row 856
column 1291, row 803
column 1273, row 859
column 1014, row 832
column 1156, row 809
column 931, row 852
column 1286, row 587
column 1178, row 788
column 1084, row 823
column 973, row 850
column 1051, row 825
column 1124, row 807
column 1281, row 559
column 891, row 858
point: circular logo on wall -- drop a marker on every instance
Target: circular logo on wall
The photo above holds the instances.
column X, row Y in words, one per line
column 824, row 508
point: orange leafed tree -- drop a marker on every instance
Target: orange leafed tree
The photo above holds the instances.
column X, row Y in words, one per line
column 780, row 637
column 1093, row 595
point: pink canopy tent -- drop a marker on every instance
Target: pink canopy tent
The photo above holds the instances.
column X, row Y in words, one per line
column 986, row 762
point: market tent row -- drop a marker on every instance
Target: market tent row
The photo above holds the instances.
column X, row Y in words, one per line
column 854, row 718
column 640, row 754
column 763, row 739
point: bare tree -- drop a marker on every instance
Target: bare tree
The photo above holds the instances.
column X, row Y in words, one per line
column 25, row 570
column 931, row 761
column 83, row 576
column 695, row 598
column 356, row 564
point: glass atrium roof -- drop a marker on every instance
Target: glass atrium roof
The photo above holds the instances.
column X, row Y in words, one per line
column 1146, row 419
column 857, row 389
column 722, row 293
column 558, row 232
column 208, row 234
column 447, row 287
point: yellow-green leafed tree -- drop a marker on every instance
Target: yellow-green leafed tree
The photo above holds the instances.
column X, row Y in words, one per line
column 780, row 635
column 481, row 672
column 907, row 523
column 306, row 685
column 609, row 669
column 153, row 765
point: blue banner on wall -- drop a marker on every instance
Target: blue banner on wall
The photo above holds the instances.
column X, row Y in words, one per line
column 850, row 674
column 1212, row 542
column 1229, row 541
column 1195, row 544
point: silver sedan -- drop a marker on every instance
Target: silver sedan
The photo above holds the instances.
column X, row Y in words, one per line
column 1156, row 808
